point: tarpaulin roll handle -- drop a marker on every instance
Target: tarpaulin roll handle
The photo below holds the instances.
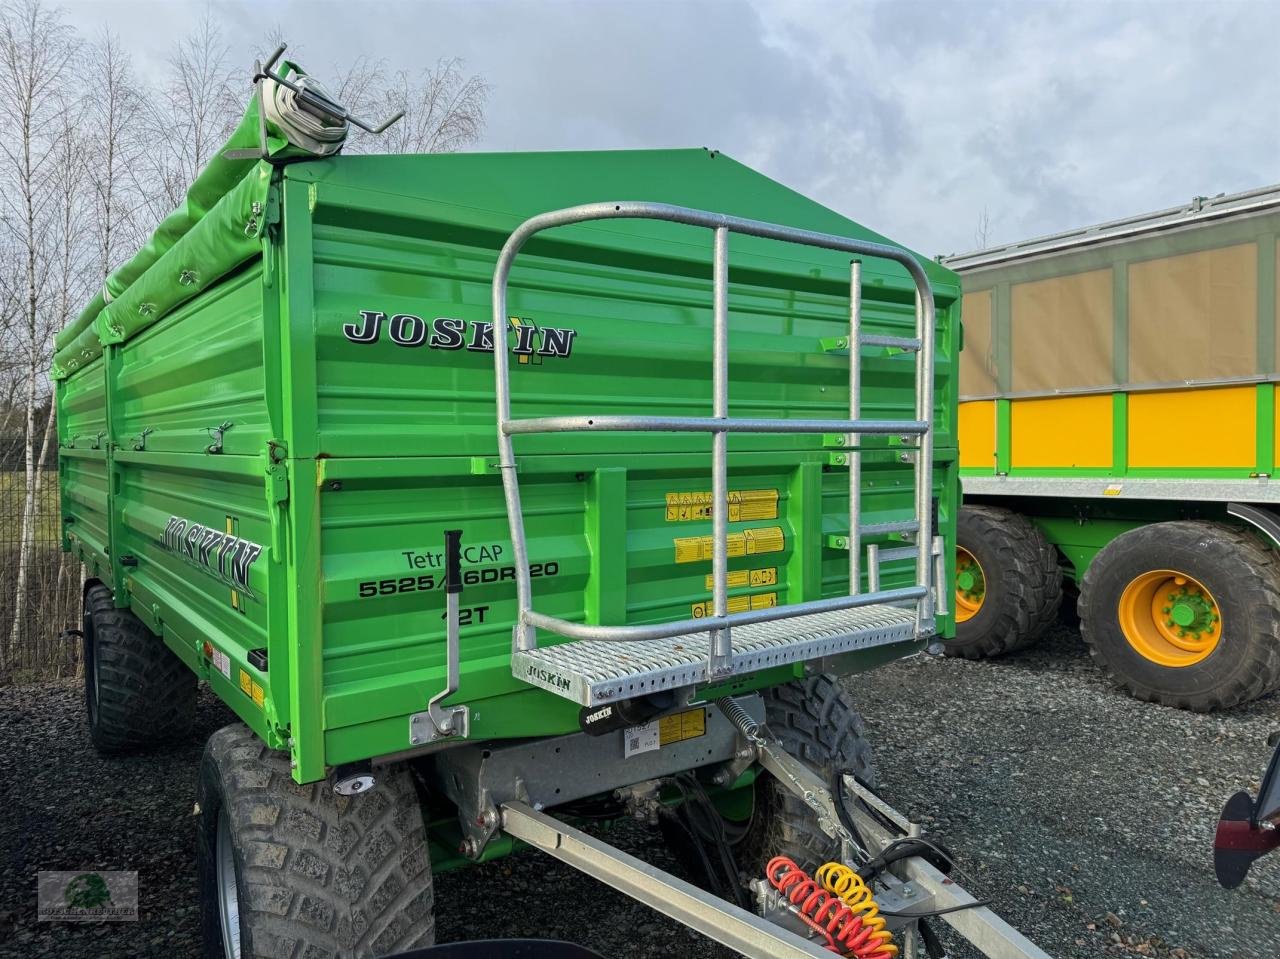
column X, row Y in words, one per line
column 453, row 561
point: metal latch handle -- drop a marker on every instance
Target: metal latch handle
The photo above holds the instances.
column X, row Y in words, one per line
column 453, row 561
column 440, row 721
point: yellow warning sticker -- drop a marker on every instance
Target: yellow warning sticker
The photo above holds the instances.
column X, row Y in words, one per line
column 735, row 604
column 246, row 683
column 259, row 697
column 657, row 733
column 682, row 726
column 745, row 505
column 764, row 539
column 766, row 576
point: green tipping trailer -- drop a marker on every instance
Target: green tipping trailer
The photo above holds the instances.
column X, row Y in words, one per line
column 1118, row 425
column 468, row 546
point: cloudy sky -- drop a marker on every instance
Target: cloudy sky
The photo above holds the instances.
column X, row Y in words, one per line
column 910, row 117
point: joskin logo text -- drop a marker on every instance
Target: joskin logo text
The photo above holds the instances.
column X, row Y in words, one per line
column 545, row 677
column 530, row 343
column 224, row 556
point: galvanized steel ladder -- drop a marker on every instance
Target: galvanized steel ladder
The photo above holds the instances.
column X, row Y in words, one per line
column 609, row 663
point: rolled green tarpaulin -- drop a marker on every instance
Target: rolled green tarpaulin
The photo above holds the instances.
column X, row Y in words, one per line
column 227, row 235
column 291, row 132
column 215, row 180
column 80, row 352
column 81, row 322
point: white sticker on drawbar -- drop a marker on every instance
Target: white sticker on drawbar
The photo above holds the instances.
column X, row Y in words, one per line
column 222, row 661
column 639, row 739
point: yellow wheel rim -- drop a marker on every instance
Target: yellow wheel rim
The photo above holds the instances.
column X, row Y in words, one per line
column 1170, row 618
column 971, row 585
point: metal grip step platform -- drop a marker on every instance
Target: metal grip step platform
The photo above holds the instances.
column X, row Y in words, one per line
column 592, row 672
column 604, row 663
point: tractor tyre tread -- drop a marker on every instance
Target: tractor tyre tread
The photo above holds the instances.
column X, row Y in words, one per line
column 320, row 875
column 145, row 694
column 1248, row 583
column 814, row 722
column 1027, row 590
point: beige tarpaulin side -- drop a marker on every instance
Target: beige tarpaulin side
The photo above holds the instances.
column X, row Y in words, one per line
column 1194, row 316
column 977, row 359
column 1061, row 332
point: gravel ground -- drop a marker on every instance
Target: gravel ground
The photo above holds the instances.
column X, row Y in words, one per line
column 1084, row 815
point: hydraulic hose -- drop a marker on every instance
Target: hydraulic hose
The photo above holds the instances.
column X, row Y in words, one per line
column 305, row 124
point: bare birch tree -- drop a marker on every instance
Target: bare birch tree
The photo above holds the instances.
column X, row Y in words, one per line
column 444, row 108
column 188, row 119
column 90, row 161
column 360, row 87
column 36, row 51
column 982, row 233
column 10, row 308
column 114, row 113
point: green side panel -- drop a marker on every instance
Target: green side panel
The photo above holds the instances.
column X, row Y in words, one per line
column 174, row 389
column 632, row 294
column 349, row 375
column 382, row 525
column 192, row 581
column 196, row 522
column 202, row 367
column 82, row 410
column 84, row 477
column 1119, row 433
column 83, row 468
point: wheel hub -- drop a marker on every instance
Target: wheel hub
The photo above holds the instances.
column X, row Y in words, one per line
column 1170, row 618
column 1190, row 612
column 971, row 585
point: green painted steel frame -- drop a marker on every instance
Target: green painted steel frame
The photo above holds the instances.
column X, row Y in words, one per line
column 316, row 725
column 299, row 428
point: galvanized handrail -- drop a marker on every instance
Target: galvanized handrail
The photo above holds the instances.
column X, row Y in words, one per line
column 706, row 424
column 719, row 425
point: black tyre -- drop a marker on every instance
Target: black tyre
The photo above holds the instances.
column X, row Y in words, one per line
column 1008, row 583
column 815, row 723
column 137, row 692
column 289, row 871
column 1186, row 614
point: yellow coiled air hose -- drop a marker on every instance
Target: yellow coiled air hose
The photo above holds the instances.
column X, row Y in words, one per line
column 839, row 880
